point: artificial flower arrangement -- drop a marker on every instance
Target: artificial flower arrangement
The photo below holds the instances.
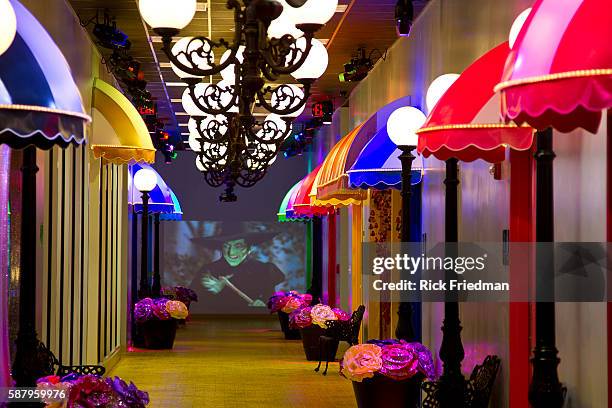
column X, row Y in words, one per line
column 317, row 315
column 75, row 391
column 284, row 303
column 157, row 321
column 288, row 302
column 312, row 323
column 379, row 366
column 159, row 309
column 180, row 293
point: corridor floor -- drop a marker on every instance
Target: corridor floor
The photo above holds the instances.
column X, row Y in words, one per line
column 227, row 363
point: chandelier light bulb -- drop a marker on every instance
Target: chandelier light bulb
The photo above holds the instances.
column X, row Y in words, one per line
column 175, row 14
column 273, row 126
column 145, row 180
column 287, row 97
column 187, row 46
column 229, row 73
column 402, row 125
column 227, row 94
column 517, row 26
column 438, row 87
column 8, row 25
column 315, row 12
column 285, row 23
column 200, row 160
column 189, row 105
column 316, row 62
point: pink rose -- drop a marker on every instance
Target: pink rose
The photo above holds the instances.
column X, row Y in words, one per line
column 301, row 318
column 399, row 361
column 321, row 314
column 293, row 304
column 341, row 314
column 361, row 361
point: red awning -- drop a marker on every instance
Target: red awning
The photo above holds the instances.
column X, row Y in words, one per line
column 302, row 206
column 465, row 123
column 559, row 72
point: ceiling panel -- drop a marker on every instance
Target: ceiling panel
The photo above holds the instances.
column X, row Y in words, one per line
column 368, row 23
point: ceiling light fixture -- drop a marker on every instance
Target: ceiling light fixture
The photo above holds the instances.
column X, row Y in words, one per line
column 272, row 38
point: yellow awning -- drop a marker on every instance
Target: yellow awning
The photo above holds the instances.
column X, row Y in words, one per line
column 119, row 135
column 331, row 185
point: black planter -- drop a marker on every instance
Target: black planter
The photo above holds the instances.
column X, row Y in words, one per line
column 159, row 334
column 310, row 340
column 383, row 392
column 290, row 334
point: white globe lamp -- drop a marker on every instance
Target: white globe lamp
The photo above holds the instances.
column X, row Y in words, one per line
column 145, row 180
column 438, row 87
column 281, row 101
column 174, row 14
column 189, row 105
column 315, row 12
column 183, row 48
column 229, row 73
column 316, row 62
column 403, row 124
column 8, row 25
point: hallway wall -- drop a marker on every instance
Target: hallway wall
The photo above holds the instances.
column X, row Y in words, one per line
column 82, row 217
column 447, row 37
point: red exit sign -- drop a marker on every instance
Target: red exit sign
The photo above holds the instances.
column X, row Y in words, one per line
column 321, row 109
column 147, row 110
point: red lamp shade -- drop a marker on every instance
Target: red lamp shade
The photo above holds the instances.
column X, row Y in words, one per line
column 559, row 72
column 465, row 122
column 302, row 205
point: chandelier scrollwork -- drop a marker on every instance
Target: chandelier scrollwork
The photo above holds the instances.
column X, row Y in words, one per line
column 273, row 38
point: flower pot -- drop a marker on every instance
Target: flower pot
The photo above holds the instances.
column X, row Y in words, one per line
column 310, row 341
column 159, row 334
column 383, row 392
column 290, row 334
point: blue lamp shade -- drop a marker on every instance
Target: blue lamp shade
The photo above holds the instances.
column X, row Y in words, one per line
column 378, row 165
column 160, row 198
column 40, row 104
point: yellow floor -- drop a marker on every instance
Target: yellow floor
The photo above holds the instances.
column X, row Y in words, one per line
column 226, row 363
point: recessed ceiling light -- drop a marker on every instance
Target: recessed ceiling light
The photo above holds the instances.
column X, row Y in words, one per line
column 185, row 134
column 341, row 8
column 183, row 124
column 158, row 39
column 324, row 41
column 176, row 100
column 201, row 6
column 176, row 84
column 181, row 114
column 165, row 65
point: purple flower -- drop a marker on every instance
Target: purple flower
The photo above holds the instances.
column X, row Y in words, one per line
column 399, row 361
column 143, row 310
column 91, row 391
column 301, row 318
column 277, row 301
column 129, row 396
column 159, row 309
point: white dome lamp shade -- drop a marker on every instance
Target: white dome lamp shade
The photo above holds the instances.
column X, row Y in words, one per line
column 227, row 94
column 183, row 48
column 403, row 124
column 316, row 62
column 284, row 99
column 229, row 73
column 8, row 25
column 189, row 105
column 517, row 26
column 315, row 12
column 285, row 23
column 145, row 180
column 165, row 16
column 438, row 87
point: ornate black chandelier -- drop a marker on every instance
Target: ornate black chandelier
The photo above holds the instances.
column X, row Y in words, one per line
column 272, row 38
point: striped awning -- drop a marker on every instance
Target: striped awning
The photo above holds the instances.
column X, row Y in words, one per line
column 287, row 202
column 465, row 123
column 40, row 104
column 559, row 72
column 119, row 134
column 302, row 205
column 160, row 198
column 331, row 187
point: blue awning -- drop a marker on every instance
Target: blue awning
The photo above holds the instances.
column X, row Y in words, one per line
column 160, row 199
column 40, row 103
column 378, row 166
column 177, row 213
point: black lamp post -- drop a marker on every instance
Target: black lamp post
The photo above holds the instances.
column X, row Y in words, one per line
column 156, row 287
column 29, row 362
column 401, row 127
column 451, row 392
column 545, row 390
column 145, row 181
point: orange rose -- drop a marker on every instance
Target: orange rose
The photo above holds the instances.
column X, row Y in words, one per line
column 361, row 361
